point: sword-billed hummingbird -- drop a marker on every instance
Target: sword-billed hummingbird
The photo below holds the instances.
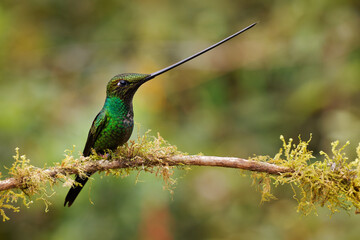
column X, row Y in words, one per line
column 114, row 124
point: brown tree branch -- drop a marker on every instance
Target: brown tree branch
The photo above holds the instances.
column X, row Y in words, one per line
column 194, row 160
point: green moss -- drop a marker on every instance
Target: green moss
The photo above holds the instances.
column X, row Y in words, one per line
column 333, row 182
column 37, row 181
column 152, row 150
column 20, row 169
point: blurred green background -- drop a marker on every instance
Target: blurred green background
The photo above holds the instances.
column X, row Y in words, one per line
column 296, row 72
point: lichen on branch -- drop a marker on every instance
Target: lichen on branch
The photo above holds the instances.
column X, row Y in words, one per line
column 24, row 180
column 333, row 181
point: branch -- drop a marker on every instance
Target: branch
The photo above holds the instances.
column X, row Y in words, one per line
column 194, row 160
column 332, row 181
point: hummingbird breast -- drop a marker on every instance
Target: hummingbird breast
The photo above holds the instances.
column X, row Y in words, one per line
column 120, row 124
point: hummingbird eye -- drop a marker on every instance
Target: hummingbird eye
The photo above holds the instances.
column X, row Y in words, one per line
column 123, row 83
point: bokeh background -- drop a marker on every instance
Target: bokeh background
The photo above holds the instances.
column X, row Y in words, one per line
column 296, row 72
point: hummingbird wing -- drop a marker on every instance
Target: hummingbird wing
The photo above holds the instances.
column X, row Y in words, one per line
column 99, row 123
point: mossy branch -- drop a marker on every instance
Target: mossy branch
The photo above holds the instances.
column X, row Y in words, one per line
column 139, row 162
column 333, row 182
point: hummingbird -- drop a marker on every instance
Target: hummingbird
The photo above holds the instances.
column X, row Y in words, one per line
column 113, row 125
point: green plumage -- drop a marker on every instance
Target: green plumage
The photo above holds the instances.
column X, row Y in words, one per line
column 113, row 125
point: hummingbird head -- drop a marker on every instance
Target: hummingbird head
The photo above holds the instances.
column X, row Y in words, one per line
column 125, row 85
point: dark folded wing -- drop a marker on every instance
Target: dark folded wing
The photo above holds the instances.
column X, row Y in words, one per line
column 97, row 126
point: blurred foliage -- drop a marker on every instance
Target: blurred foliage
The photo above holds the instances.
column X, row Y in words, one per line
column 296, row 72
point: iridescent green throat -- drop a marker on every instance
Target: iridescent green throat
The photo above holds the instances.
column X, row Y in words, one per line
column 119, row 124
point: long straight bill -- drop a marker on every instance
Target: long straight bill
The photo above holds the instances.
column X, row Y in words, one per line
column 152, row 75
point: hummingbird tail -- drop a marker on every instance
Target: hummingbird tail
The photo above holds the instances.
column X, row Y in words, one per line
column 75, row 189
